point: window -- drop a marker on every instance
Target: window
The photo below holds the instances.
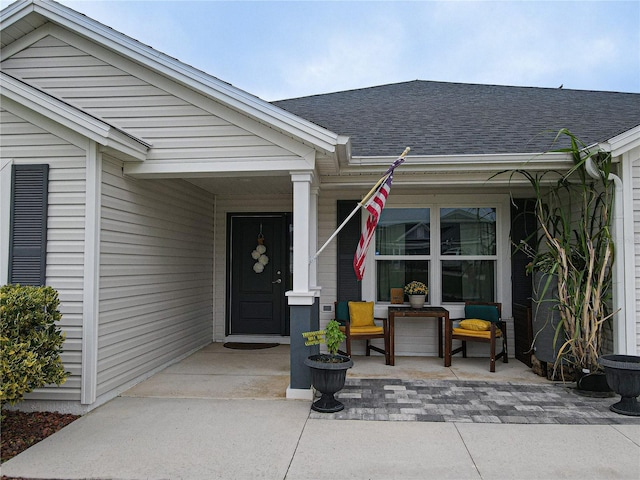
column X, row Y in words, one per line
column 465, row 263
column 469, row 234
column 403, row 249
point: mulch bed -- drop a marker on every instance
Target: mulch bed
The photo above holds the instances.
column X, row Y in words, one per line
column 20, row 430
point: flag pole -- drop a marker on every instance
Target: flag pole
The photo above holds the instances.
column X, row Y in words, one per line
column 360, row 204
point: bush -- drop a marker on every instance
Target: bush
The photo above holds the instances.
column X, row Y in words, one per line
column 30, row 343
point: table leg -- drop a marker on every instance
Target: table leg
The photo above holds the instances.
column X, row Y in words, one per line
column 440, row 320
column 447, row 342
column 392, row 336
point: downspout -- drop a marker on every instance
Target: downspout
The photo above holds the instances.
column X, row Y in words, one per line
column 620, row 334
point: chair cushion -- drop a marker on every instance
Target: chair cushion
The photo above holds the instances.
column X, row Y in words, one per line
column 475, row 333
column 475, row 324
column 485, row 312
column 361, row 314
column 368, row 330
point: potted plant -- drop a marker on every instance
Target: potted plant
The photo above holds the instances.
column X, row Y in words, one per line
column 417, row 293
column 328, row 371
column 575, row 254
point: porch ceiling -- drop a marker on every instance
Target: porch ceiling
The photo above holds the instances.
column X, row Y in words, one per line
column 245, row 185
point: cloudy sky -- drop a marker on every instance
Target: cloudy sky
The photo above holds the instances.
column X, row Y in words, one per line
column 279, row 50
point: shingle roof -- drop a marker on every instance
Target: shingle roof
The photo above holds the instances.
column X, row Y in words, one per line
column 436, row 118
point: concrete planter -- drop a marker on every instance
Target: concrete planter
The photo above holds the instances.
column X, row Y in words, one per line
column 546, row 317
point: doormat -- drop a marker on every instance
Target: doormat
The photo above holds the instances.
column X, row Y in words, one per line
column 249, row 346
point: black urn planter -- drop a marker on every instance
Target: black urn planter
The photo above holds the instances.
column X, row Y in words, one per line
column 328, row 377
column 623, row 376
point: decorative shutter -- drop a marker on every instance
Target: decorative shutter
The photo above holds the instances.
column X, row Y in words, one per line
column 28, row 231
column 523, row 228
column 349, row 288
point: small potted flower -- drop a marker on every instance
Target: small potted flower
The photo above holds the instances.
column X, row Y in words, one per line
column 417, row 293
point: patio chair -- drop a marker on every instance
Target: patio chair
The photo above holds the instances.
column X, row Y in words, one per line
column 482, row 322
column 358, row 323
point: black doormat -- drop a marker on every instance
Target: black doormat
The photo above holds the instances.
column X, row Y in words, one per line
column 249, row 346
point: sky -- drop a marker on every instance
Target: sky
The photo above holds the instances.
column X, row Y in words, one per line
column 288, row 49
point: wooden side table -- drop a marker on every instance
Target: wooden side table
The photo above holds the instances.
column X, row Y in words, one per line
column 439, row 313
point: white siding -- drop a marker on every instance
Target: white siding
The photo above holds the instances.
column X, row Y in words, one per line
column 636, row 241
column 156, row 281
column 26, row 143
column 177, row 129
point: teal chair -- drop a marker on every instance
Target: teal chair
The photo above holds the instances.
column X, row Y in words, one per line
column 483, row 323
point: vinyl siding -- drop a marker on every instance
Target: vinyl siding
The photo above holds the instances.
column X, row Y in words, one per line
column 26, row 143
column 177, row 129
column 636, row 242
column 156, row 281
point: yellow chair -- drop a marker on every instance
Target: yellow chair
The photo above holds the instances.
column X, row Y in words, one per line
column 482, row 323
column 357, row 323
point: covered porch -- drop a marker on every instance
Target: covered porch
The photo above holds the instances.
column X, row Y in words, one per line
column 219, row 372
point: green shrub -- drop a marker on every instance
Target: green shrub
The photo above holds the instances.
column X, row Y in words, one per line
column 30, row 343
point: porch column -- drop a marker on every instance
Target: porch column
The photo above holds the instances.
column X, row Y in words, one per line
column 313, row 238
column 302, row 300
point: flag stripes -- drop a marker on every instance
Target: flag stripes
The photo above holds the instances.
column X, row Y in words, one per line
column 374, row 206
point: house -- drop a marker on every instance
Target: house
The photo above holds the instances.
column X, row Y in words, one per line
column 145, row 186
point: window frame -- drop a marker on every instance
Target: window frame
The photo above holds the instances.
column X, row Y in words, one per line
column 502, row 257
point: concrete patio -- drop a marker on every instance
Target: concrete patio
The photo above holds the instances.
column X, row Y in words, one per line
column 221, row 413
column 219, row 372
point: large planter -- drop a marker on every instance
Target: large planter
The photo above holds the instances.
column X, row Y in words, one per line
column 417, row 301
column 328, row 378
column 546, row 317
column 623, row 376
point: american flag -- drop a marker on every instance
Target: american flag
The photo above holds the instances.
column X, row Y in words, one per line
column 374, row 206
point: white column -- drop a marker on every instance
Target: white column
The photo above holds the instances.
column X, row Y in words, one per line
column 313, row 238
column 301, row 231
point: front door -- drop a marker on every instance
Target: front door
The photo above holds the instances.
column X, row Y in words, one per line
column 258, row 274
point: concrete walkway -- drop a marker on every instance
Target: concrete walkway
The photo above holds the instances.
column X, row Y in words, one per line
column 206, row 418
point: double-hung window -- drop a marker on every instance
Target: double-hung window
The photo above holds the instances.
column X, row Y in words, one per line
column 453, row 246
column 403, row 249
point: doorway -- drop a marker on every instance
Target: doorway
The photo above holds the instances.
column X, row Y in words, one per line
column 258, row 273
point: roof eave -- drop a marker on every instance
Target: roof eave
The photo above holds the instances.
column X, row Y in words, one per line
column 623, row 142
column 73, row 118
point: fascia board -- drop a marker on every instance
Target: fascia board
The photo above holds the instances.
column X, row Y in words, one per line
column 463, row 163
column 189, row 76
column 232, row 167
column 71, row 117
column 15, row 12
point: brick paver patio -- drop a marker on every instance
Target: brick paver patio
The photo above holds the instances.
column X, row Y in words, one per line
column 471, row 401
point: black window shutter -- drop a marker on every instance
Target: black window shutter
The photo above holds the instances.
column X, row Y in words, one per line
column 28, row 231
column 349, row 288
column 523, row 229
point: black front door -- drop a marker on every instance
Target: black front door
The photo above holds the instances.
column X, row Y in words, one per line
column 258, row 273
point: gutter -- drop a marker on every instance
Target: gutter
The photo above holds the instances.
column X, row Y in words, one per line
column 620, row 334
